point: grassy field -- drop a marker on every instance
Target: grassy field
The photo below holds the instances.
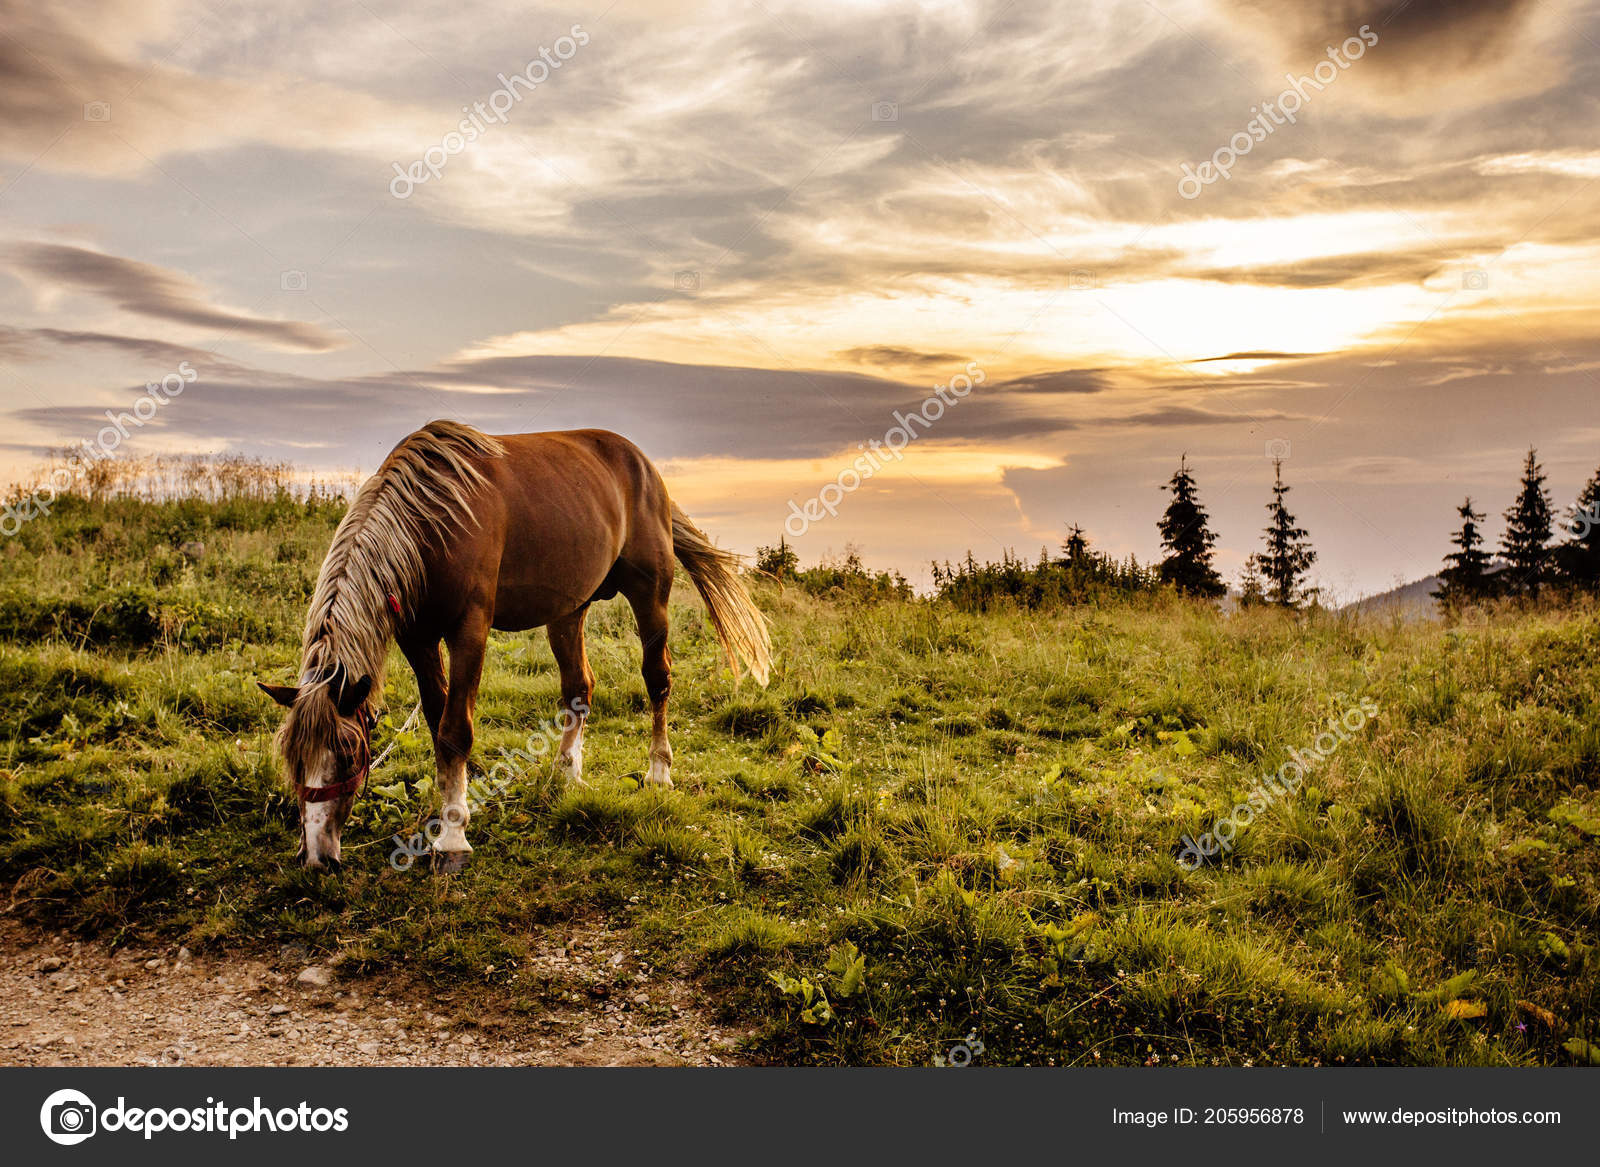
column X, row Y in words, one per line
column 932, row 824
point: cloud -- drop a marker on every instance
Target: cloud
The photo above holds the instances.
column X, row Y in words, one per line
column 1184, row 415
column 674, row 411
column 1059, row 381
column 122, row 57
column 26, row 344
column 1446, row 53
column 1262, row 355
column 158, row 292
column 1363, row 269
column 889, row 356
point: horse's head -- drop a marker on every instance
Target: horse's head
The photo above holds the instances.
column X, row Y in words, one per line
column 326, row 744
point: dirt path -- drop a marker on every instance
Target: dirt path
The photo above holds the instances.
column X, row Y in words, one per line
column 66, row 1002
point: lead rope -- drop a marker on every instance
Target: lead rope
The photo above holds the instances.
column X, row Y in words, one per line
column 394, row 741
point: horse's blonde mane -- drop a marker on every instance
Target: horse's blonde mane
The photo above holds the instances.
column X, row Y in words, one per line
column 421, row 490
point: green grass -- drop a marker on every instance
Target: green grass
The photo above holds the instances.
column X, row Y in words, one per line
column 931, row 824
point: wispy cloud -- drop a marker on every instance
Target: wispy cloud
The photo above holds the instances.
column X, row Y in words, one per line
column 148, row 290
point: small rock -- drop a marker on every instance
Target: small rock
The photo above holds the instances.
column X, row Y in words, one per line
column 315, row 975
column 642, row 999
column 278, row 1010
column 369, row 1047
column 50, row 964
column 153, row 962
column 185, row 954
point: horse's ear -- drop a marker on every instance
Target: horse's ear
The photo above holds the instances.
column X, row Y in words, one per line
column 351, row 696
column 283, row 694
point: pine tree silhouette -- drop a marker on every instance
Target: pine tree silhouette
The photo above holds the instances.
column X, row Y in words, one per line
column 1075, row 547
column 1186, row 535
column 1288, row 555
column 1579, row 557
column 1525, row 546
column 1252, row 592
column 1467, row 578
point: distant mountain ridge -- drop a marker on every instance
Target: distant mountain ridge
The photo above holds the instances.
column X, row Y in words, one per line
column 1414, row 599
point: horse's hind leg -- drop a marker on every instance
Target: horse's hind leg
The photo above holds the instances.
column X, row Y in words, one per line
column 650, row 610
column 577, row 688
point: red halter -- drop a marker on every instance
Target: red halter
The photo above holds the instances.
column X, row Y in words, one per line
column 352, row 784
column 334, row 790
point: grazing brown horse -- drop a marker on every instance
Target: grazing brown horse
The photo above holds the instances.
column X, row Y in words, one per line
column 457, row 533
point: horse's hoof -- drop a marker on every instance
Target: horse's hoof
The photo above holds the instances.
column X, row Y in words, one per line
column 450, row 862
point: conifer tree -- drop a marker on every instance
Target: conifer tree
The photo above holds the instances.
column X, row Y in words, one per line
column 1252, row 592
column 1580, row 555
column 1288, row 555
column 1525, row 544
column 1467, row 577
column 1075, row 547
column 1187, row 537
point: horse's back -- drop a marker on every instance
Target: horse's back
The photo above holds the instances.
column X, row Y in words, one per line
column 570, row 504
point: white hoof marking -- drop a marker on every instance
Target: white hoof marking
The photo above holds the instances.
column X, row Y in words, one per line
column 571, row 765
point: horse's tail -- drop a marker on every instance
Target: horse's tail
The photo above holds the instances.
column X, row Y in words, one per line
column 739, row 623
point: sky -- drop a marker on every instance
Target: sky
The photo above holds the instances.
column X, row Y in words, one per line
column 756, row 236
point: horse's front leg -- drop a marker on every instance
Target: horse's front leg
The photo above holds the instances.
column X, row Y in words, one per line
column 453, row 743
column 423, row 656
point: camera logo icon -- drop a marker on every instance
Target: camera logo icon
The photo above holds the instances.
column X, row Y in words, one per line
column 1081, row 280
column 885, row 111
column 686, row 281
column 68, row 1117
column 1278, row 449
column 1475, row 281
column 97, row 111
column 292, row 281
